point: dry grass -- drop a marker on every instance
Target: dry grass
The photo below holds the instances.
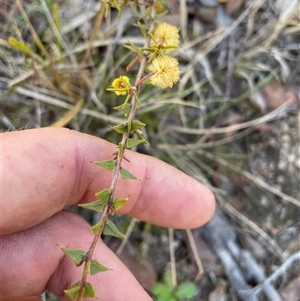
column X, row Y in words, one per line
column 220, row 124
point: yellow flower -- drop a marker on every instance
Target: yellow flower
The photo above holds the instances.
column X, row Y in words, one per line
column 121, row 85
column 159, row 7
column 166, row 35
column 166, row 71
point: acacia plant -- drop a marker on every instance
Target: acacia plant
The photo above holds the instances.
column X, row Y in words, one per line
column 158, row 68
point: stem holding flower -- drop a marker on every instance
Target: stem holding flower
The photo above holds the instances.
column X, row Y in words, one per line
column 164, row 72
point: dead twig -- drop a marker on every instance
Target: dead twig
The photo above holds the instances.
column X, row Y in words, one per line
column 240, row 266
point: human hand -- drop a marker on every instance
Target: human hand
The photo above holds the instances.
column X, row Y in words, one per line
column 44, row 170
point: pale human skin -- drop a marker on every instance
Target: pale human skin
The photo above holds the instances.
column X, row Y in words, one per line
column 44, row 170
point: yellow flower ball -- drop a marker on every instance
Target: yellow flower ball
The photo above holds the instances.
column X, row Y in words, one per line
column 166, row 71
column 166, row 35
column 121, row 85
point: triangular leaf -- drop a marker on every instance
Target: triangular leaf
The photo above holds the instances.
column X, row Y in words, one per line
column 96, row 227
column 133, row 142
column 136, row 125
column 103, row 196
column 107, row 164
column 120, row 128
column 76, row 255
column 72, row 292
column 89, row 291
column 95, row 206
column 141, row 137
column 97, row 267
column 123, row 108
column 119, row 203
column 125, row 174
column 111, row 230
column 75, row 284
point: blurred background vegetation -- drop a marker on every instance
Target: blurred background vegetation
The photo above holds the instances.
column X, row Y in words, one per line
column 232, row 122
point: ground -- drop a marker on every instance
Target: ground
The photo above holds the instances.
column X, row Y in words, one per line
column 232, row 122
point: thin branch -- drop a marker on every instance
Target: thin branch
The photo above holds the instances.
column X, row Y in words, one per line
column 251, row 177
column 275, row 114
column 195, row 253
column 118, row 164
column 127, row 234
column 33, row 32
column 172, row 257
column 285, row 266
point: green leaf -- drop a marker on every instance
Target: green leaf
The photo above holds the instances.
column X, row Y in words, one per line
column 136, row 97
column 159, row 289
column 125, row 174
column 136, row 125
column 75, row 284
column 119, row 203
column 170, row 47
column 133, row 142
column 120, row 128
column 107, row 164
column 147, row 49
column 162, row 292
column 72, row 292
column 96, row 227
column 123, row 108
column 168, row 297
column 143, row 28
column 134, row 9
column 89, row 291
column 76, row 255
column 141, row 137
column 160, row 15
column 111, row 230
column 186, row 290
column 133, row 48
column 103, row 196
column 97, row 267
column 95, row 206
column 98, row 205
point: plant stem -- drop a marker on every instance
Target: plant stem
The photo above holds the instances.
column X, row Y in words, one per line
column 108, row 208
column 145, row 78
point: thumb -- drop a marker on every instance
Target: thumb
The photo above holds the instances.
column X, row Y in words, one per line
column 32, row 262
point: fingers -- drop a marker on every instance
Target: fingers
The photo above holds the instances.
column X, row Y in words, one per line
column 30, row 298
column 32, row 262
column 47, row 169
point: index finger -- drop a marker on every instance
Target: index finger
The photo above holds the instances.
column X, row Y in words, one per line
column 43, row 170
